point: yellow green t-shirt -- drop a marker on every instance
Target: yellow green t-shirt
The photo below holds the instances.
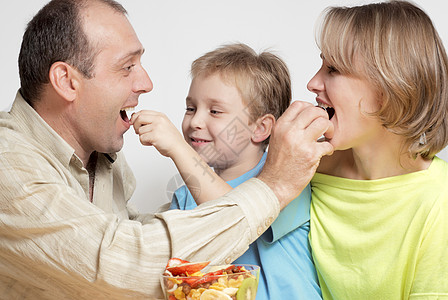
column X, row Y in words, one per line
column 382, row 239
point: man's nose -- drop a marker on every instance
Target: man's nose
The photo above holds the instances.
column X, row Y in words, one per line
column 143, row 84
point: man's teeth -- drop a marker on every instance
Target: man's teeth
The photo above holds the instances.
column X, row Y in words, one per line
column 124, row 111
column 130, row 108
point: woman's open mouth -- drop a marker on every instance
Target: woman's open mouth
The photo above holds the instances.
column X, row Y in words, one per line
column 328, row 109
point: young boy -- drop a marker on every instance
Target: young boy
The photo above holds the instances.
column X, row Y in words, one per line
column 235, row 97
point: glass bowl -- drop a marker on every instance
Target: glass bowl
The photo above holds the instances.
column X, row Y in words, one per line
column 228, row 282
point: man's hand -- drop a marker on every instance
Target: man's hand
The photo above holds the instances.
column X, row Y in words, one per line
column 294, row 152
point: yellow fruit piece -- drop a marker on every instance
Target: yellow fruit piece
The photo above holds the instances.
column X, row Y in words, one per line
column 235, row 283
column 223, row 281
column 217, row 286
column 214, row 295
column 179, row 294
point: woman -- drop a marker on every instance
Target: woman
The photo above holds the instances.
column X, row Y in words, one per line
column 379, row 214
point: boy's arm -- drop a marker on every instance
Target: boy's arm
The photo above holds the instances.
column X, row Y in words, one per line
column 155, row 129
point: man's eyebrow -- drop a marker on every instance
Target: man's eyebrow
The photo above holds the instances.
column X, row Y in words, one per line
column 137, row 52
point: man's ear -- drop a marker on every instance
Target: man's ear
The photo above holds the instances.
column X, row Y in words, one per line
column 64, row 79
column 263, row 128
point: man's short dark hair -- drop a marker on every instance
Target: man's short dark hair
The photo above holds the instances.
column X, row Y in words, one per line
column 56, row 34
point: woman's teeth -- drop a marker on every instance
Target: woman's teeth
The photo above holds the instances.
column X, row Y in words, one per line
column 328, row 109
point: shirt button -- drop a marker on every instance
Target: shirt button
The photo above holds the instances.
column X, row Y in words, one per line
column 260, row 230
column 228, row 260
column 269, row 221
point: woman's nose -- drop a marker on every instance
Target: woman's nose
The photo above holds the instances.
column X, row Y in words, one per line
column 316, row 84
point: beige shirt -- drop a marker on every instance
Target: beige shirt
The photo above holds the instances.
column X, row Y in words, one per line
column 56, row 244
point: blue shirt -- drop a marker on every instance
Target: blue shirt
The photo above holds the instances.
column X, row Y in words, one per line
column 283, row 251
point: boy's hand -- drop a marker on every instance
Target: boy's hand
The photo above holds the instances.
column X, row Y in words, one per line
column 155, row 129
column 294, row 152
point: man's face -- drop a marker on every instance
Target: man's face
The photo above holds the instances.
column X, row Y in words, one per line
column 118, row 80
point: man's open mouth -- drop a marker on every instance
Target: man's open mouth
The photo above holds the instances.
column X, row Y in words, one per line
column 124, row 115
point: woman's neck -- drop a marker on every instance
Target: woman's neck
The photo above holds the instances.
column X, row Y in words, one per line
column 373, row 162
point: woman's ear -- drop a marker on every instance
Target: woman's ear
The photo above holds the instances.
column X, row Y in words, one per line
column 64, row 79
column 263, row 128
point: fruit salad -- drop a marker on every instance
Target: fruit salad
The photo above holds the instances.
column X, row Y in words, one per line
column 184, row 280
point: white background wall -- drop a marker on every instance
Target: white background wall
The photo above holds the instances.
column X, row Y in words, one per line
column 174, row 33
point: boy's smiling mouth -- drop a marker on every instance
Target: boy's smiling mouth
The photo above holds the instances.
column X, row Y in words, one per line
column 198, row 141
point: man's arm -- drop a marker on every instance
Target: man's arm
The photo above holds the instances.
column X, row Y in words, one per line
column 294, row 152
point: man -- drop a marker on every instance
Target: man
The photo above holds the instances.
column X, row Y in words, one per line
column 65, row 229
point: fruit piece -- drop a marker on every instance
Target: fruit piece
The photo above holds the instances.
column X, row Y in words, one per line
column 214, row 295
column 230, row 291
column 247, row 290
column 207, row 278
column 175, row 261
column 187, row 268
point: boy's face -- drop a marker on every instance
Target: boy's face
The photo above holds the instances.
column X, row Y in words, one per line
column 216, row 123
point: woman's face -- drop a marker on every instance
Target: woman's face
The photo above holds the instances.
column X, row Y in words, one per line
column 353, row 99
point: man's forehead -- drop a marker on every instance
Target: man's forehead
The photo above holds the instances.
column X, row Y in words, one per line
column 107, row 28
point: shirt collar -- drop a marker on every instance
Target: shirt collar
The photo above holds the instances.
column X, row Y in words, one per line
column 33, row 125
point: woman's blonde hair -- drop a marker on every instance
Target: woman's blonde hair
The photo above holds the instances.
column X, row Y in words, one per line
column 402, row 54
column 263, row 79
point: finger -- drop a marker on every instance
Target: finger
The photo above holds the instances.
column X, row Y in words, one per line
column 293, row 110
column 324, row 148
column 142, row 118
column 302, row 115
column 146, row 139
column 319, row 127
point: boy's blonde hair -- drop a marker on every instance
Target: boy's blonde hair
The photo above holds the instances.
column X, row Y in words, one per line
column 402, row 55
column 262, row 80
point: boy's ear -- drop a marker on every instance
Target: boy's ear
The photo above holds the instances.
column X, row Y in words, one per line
column 64, row 79
column 263, row 128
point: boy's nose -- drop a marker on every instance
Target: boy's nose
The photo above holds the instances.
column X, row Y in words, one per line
column 197, row 121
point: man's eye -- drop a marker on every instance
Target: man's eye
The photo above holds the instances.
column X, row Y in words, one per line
column 129, row 68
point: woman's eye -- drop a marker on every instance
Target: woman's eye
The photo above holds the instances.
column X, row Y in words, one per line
column 214, row 112
column 331, row 69
column 190, row 109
